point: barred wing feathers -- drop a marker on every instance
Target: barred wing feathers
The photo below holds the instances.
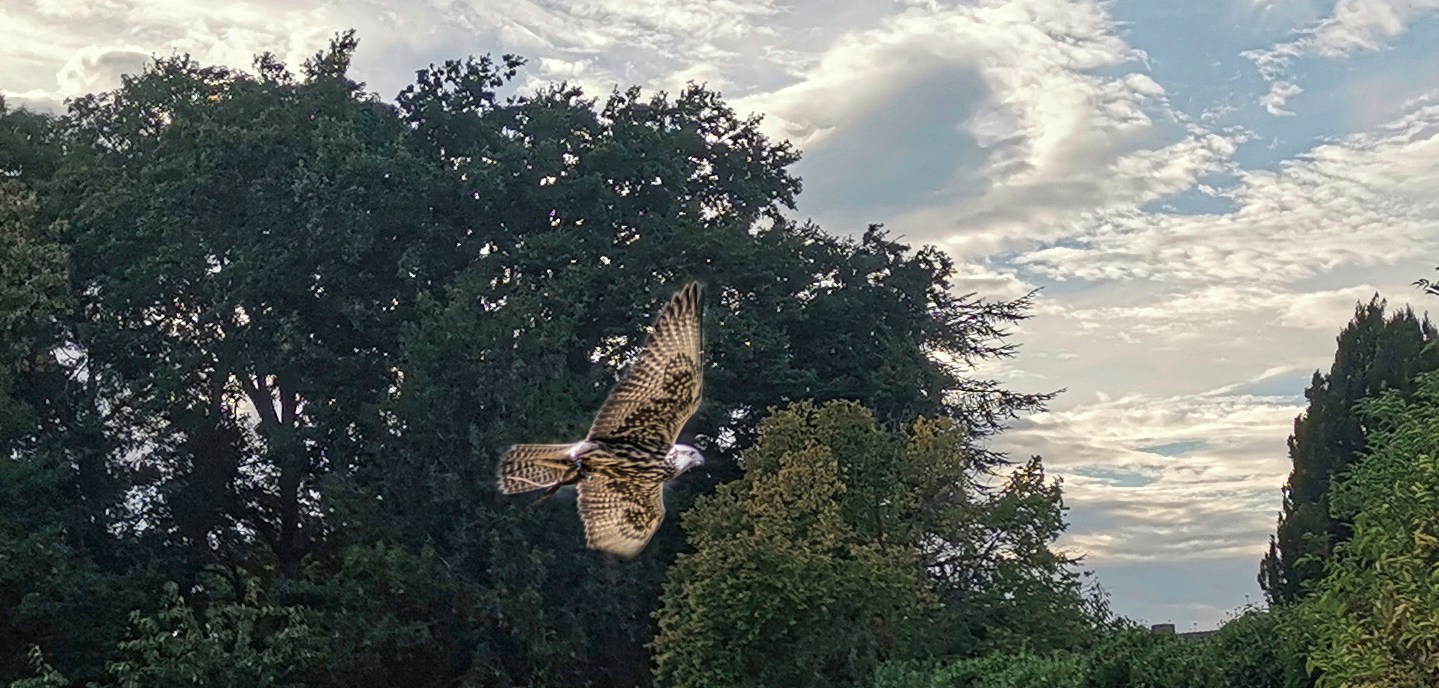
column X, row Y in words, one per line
column 620, row 515
column 659, row 393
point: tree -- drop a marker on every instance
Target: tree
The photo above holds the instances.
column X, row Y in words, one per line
column 33, row 276
column 589, row 207
column 30, row 146
column 390, row 616
column 268, row 230
column 306, row 323
column 986, row 546
column 56, row 578
column 242, row 643
column 1374, row 611
column 584, row 216
column 967, row 567
column 780, row 589
column 1259, row 649
column 1375, row 353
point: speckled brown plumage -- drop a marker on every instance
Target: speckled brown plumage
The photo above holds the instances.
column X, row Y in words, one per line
column 661, row 390
column 620, row 469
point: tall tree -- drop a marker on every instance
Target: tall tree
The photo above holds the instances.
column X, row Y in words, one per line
column 307, row 323
column 585, row 215
column 1375, row 352
column 244, row 251
column 62, row 576
column 781, row 589
column 33, row 281
column 30, row 146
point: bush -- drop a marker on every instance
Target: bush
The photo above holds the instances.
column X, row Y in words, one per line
column 1259, row 649
column 1058, row 670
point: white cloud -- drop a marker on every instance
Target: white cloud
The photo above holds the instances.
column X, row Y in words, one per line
column 1279, row 94
column 1358, row 25
column 73, row 47
column 1213, row 498
column 1353, row 26
column 1062, row 121
column 1167, row 319
column 1368, row 199
column 94, row 68
column 988, row 281
column 1030, row 53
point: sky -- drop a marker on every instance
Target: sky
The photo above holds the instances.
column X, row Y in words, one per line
column 1201, row 190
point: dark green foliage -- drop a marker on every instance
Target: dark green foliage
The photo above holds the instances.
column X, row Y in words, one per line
column 1375, row 353
column 60, row 576
column 265, row 227
column 56, row 597
column 1058, row 670
column 265, row 337
column 393, row 617
column 1255, row 650
column 585, row 216
column 1260, row 649
column 30, row 147
column 1139, row 658
column 33, row 274
column 244, row 644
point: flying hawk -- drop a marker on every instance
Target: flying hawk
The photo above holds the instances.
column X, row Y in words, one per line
column 620, row 469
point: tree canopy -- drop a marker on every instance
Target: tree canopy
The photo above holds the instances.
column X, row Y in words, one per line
column 265, row 335
column 846, row 545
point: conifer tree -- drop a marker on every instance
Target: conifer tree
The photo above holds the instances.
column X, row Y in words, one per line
column 1375, row 353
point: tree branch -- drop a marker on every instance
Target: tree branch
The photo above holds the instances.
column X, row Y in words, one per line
column 259, row 394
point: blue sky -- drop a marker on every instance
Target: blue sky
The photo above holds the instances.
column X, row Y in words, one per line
column 1203, row 190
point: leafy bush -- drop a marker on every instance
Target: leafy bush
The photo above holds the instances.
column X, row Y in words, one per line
column 1259, row 649
column 1376, row 615
column 1058, row 670
column 230, row 645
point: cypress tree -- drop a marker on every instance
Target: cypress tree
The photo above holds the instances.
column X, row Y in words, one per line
column 1375, row 353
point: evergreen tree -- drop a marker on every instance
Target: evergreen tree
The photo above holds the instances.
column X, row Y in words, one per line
column 1375, row 353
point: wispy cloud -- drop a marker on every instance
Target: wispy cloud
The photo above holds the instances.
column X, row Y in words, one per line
column 1318, row 212
column 1203, row 489
column 1354, row 26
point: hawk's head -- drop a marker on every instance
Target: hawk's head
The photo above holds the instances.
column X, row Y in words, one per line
column 684, row 457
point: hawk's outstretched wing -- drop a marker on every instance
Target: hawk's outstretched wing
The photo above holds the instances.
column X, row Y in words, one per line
column 659, row 393
column 620, row 515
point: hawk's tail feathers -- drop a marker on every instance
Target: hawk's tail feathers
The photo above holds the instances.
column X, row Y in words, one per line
column 527, row 467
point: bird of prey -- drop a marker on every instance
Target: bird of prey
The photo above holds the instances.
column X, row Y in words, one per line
column 620, row 469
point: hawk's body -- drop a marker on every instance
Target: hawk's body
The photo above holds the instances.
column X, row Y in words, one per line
column 621, row 468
